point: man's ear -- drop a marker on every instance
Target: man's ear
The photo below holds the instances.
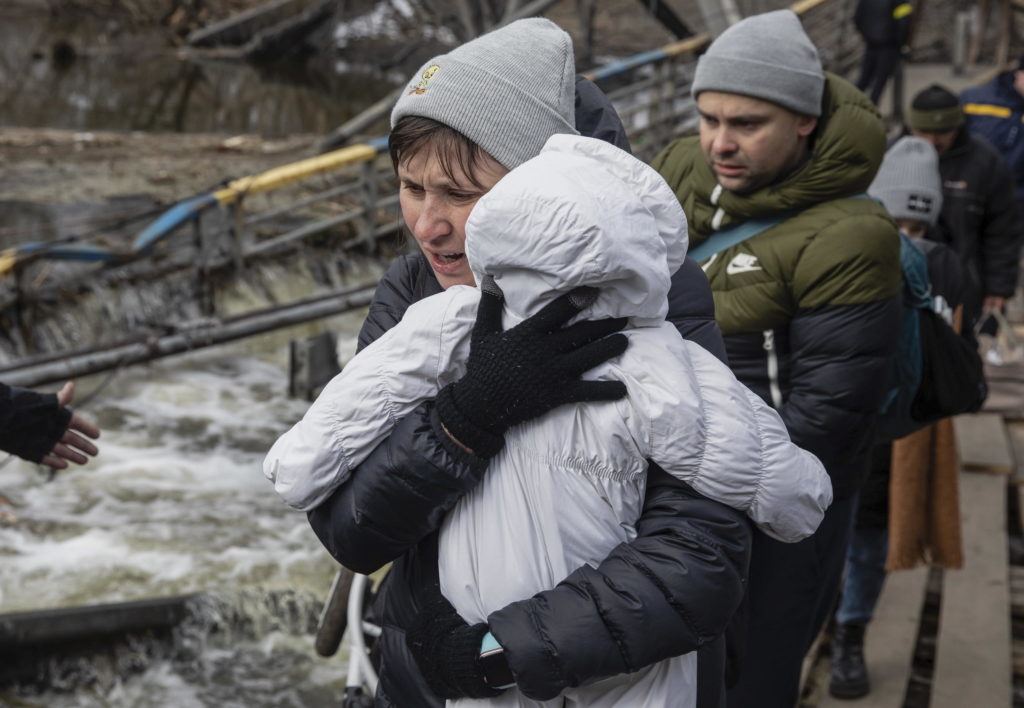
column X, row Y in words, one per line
column 805, row 125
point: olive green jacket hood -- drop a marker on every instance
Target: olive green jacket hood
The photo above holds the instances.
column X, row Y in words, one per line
column 846, row 151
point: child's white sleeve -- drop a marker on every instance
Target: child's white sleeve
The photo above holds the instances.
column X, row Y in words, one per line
column 746, row 458
column 361, row 405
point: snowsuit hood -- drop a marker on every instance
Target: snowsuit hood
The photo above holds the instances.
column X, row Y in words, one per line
column 605, row 219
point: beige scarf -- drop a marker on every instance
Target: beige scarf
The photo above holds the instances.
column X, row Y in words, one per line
column 924, row 502
column 924, row 496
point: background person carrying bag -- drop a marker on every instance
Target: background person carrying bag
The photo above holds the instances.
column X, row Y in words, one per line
column 908, row 509
column 952, row 376
column 937, row 372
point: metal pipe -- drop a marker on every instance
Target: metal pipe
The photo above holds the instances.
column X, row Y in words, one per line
column 360, row 670
column 22, row 630
column 294, row 206
column 302, row 232
column 334, row 616
column 206, row 334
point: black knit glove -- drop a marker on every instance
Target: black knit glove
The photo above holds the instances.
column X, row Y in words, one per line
column 446, row 649
column 522, row 373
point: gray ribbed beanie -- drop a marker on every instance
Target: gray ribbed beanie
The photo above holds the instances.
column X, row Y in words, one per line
column 766, row 56
column 908, row 182
column 508, row 90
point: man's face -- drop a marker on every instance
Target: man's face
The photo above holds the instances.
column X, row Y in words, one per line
column 435, row 208
column 942, row 142
column 750, row 143
column 912, row 227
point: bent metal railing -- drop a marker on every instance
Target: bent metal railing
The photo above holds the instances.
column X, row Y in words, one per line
column 348, row 198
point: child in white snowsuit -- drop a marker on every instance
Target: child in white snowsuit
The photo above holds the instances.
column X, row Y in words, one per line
column 567, row 488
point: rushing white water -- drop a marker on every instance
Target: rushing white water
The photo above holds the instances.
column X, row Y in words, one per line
column 175, row 503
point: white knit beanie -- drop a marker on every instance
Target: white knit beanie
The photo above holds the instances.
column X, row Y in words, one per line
column 908, row 183
column 508, row 90
column 767, row 56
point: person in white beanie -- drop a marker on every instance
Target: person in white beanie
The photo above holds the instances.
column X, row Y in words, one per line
column 806, row 280
column 466, row 119
column 909, row 186
column 922, row 467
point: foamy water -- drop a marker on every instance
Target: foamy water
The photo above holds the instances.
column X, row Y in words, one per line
column 177, row 503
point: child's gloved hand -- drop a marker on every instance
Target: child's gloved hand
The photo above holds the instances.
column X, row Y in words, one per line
column 516, row 375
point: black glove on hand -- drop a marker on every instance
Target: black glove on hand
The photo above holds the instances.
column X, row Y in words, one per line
column 522, row 373
column 446, row 649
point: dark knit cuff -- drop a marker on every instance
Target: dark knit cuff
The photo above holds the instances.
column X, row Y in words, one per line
column 459, row 454
column 482, row 442
column 462, row 662
column 38, row 424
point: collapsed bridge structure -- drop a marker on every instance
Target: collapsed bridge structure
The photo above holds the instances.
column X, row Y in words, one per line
column 75, row 307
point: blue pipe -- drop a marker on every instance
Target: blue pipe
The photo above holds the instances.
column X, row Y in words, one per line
column 171, row 219
column 624, row 65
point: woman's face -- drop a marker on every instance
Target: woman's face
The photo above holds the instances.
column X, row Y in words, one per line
column 435, row 207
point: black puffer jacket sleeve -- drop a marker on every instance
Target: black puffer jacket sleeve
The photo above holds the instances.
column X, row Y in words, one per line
column 396, row 497
column 669, row 592
column 30, row 423
column 408, row 280
column 402, row 491
column 1000, row 237
column 840, row 358
column 691, row 308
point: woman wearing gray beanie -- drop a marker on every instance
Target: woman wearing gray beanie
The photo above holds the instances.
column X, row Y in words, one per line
column 465, row 119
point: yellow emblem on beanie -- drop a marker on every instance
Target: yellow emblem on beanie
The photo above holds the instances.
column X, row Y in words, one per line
column 427, row 75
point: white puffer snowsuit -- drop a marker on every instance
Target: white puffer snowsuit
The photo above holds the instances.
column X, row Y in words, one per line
column 567, row 488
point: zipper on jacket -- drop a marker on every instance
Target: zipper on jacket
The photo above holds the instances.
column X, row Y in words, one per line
column 773, row 368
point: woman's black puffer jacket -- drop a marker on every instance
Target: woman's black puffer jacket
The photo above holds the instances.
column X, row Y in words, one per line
column 670, row 591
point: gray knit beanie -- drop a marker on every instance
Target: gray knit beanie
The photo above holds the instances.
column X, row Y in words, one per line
column 908, row 182
column 508, row 90
column 766, row 56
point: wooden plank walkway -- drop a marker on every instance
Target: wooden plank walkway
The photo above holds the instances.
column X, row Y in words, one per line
column 891, row 637
column 1015, row 428
column 973, row 659
column 974, row 652
column 983, row 443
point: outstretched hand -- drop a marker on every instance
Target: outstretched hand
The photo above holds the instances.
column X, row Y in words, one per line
column 519, row 374
column 72, row 447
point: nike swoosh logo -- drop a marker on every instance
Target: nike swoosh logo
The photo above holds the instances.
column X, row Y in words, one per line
column 733, row 268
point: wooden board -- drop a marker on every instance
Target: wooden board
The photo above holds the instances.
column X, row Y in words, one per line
column 814, row 673
column 1015, row 431
column 973, row 657
column 1005, row 389
column 1019, row 490
column 983, row 443
column 1017, row 603
column 889, row 644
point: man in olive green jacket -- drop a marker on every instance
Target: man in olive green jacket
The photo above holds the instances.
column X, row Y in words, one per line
column 809, row 307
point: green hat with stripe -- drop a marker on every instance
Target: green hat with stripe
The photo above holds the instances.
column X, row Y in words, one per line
column 935, row 110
